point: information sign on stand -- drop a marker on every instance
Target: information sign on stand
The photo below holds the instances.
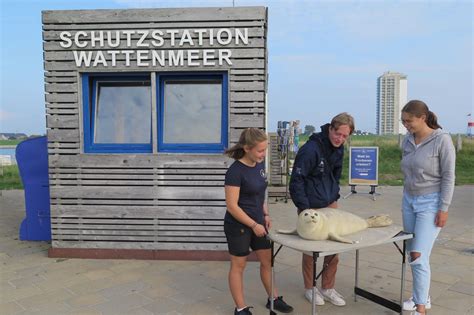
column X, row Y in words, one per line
column 363, row 169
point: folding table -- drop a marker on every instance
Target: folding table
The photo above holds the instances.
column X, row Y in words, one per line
column 364, row 239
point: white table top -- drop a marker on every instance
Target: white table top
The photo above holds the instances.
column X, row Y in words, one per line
column 367, row 238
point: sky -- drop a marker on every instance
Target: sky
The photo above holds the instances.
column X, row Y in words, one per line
column 324, row 57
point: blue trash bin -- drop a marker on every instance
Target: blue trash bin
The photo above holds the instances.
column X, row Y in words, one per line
column 32, row 160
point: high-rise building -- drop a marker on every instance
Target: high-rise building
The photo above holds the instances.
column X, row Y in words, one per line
column 391, row 97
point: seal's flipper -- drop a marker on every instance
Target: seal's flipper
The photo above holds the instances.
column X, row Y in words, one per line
column 338, row 238
column 379, row 220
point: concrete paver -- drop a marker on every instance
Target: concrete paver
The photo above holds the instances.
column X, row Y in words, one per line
column 32, row 283
column 86, row 300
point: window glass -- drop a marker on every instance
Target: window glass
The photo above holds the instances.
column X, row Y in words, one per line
column 123, row 112
column 192, row 111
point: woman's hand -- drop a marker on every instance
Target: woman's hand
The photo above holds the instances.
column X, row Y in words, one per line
column 259, row 230
column 441, row 218
column 268, row 222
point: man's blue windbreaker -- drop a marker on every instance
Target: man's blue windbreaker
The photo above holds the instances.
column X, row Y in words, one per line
column 316, row 172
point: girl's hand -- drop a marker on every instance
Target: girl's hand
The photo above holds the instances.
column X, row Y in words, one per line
column 259, row 230
column 441, row 218
column 268, row 222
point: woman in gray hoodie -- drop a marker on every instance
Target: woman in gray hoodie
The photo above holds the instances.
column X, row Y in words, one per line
column 428, row 164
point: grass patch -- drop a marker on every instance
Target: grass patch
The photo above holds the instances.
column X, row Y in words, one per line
column 389, row 162
column 390, row 156
column 9, row 142
column 465, row 162
column 10, row 177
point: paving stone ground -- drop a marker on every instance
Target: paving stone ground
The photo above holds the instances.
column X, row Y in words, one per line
column 32, row 283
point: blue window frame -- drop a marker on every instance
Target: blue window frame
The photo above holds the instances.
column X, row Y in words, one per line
column 191, row 112
column 192, row 115
column 117, row 113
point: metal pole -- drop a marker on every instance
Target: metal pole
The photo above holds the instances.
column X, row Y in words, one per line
column 313, row 300
column 287, row 171
column 356, row 274
column 402, row 286
column 272, row 277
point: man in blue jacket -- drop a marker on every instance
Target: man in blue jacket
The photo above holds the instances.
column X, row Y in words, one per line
column 315, row 184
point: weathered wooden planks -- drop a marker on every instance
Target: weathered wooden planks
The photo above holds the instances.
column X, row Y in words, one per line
column 153, row 15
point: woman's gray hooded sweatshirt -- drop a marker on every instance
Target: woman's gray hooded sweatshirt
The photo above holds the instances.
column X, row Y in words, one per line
column 429, row 167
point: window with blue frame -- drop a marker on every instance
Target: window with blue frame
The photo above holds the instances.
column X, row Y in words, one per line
column 191, row 113
column 117, row 113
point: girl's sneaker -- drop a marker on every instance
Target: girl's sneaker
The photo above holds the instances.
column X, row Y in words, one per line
column 245, row 311
column 409, row 305
column 280, row 305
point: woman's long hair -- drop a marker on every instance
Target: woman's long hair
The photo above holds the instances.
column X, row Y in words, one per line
column 250, row 137
column 419, row 108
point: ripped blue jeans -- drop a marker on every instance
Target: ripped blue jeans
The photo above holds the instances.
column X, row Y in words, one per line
column 419, row 214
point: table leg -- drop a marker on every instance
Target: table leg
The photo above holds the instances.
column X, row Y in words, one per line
column 313, row 304
column 402, row 286
column 356, row 274
column 272, row 280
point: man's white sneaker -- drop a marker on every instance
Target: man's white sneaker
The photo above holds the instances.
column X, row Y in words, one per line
column 333, row 296
column 308, row 294
column 409, row 305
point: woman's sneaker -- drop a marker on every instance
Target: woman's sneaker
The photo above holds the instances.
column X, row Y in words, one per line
column 409, row 305
column 333, row 296
column 280, row 305
column 245, row 311
column 308, row 294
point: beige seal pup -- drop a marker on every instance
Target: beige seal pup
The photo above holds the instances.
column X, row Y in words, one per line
column 333, row 224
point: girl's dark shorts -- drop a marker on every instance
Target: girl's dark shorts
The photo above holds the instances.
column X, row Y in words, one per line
column 240, row 238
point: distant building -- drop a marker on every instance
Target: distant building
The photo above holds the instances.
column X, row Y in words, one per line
column 12, row 136
column 391, row 97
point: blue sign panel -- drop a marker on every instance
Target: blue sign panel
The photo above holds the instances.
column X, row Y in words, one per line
column 363, row 165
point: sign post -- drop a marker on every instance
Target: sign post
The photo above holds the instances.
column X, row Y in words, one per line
column 363, row 169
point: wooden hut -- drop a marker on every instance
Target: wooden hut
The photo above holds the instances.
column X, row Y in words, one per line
column 140, row 105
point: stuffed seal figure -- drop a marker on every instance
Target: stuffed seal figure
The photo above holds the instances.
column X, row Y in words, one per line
column 333, row 224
